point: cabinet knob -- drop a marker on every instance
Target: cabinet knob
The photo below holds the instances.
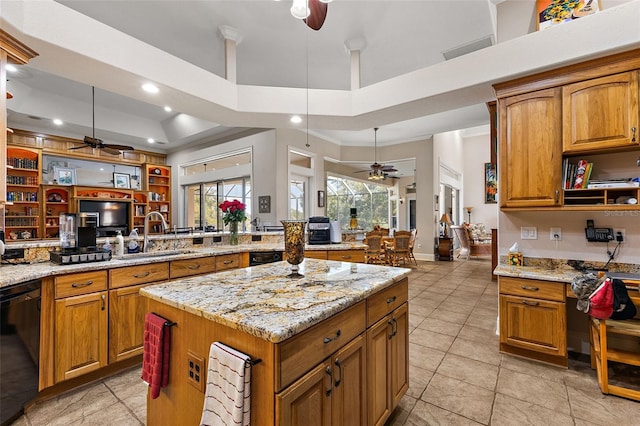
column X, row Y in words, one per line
column 331, row 339
column 391, row 299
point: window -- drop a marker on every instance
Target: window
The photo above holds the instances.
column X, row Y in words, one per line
column 296, row 198
column 370, row 200
column 300, row 183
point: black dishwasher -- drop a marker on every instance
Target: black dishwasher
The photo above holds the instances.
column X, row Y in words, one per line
column 19, row 348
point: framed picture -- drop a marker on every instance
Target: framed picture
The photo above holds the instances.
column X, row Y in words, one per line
column 554, row 12
column 121, row 180
column 64, row 176
column 320, row 198
column 490, row 183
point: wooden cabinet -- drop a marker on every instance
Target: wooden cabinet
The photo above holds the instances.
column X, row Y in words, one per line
column 158, row 184
column 601, row 114
column 530, row 149
column 22, row 214
column 140, row 274
column 126, row 322
column 312, row 254
column 533, row 319
column 81, row 328
column 356, row 256
column 189, row 267
column 445, row 248
column 332, row 393
column 308, row 400
column 228, row 261
column 55, row 200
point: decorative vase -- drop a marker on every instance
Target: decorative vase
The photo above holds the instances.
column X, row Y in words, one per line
column 294, row 244
column 233, row 236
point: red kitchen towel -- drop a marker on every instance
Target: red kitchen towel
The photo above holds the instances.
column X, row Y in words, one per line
column 155, row 359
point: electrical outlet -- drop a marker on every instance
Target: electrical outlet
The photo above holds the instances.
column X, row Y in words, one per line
column 617, row 232
column 528, row 233
column 555, row 234
column 197, row 375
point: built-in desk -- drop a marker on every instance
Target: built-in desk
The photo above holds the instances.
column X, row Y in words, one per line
column 533, row 311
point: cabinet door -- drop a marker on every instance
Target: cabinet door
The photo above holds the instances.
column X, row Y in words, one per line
column 308, row 400
column 530, row 149
column 533, row 324
column 399, row 355
column 126, row 322
column 80, row 335
column 348, row 398
column 601, row 113
column 378, row 374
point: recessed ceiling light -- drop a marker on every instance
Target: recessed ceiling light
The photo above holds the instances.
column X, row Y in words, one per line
column 11, row 68
column 167, row 108
column 150, row 88
column 57, row 122
column 237, row 164
column 296, row 119
column 151, row 140
column 102, row 169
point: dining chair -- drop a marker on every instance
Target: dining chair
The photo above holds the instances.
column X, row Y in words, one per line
column 398, row 250
column 374, row 253
column 412, row 243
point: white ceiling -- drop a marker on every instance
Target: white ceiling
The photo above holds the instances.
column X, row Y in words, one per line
column 407, row 88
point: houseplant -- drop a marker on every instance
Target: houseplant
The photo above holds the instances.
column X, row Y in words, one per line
column 232, row 213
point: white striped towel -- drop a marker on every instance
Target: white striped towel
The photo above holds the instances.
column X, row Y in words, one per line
column 227, row 400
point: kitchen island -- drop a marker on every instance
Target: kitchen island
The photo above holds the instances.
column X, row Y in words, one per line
column 333, row 345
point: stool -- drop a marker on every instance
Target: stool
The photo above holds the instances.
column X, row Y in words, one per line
column 601, row 353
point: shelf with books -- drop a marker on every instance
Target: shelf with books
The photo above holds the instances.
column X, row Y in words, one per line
column 620, row 198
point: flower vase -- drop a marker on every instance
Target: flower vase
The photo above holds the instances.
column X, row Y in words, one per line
column 233, row 236
column 294, row 244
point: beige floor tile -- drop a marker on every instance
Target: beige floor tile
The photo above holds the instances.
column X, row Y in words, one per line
column 449, row 316
column 488, row 322
column 442, row 327
column 606, row 410
column 420, row 310
column 534, row 389
column 486, row 351
column 431, row 339
column 476, row 334
column 469, row 370
column 509, row 411
column 470, row 401
column 428, row 414
column 400, row 414
column 533, row 368
column 418, row 381
column 116, row 414
column 423, row 357
column 127, row 384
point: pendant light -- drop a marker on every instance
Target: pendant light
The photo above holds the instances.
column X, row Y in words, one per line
column 300, row 9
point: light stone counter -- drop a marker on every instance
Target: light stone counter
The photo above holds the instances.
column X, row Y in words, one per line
column 264, row 302
column 11, row 274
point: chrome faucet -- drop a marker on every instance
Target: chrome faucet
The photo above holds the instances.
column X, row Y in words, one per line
column 165, row 226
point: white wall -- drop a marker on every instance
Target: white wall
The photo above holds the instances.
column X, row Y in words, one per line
column 477, row 152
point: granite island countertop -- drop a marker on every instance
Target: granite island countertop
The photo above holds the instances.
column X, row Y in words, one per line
column 264, row 302
column 11, row 274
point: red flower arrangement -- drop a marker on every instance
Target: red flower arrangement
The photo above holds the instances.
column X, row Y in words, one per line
column 233, row 211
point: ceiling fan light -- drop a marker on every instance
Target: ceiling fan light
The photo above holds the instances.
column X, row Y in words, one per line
column 300, row 9
column 296, row 119
column 326, row 1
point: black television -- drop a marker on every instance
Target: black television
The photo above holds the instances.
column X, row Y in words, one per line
column 113, row 216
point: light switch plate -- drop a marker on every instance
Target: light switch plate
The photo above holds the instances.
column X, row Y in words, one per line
column 528, row 233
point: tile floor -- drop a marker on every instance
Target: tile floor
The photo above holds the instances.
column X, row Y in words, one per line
column 457, row 375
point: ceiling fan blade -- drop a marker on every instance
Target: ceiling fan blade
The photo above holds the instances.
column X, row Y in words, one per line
column 111, row 151
column 118, row 147
column 389, row 169
column 81, row 147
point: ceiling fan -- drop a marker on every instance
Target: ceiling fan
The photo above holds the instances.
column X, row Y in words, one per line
column 378, row 171
column 96, row 143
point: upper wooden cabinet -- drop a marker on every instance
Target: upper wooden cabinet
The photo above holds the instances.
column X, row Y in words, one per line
column 530, row 149
column 601, row 113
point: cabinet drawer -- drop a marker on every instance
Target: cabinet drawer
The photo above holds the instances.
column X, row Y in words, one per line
column 302, row 352
column 532, row 288
column 82, row 283
column 346, row 255
column 228, row 261
column 385, row 301
column 315, row 254
column 141, row 274
column 187, row 267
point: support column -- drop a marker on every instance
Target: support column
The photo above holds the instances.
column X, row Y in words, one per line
column 232, row 39
column 354, row 47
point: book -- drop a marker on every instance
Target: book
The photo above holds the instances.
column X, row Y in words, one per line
column 627, row 184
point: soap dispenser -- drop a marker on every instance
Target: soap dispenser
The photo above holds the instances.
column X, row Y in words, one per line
column 119, row 244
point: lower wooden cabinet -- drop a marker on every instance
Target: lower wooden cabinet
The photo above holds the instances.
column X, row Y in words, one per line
column 533, row 319
column 81, row 328
column 387, row 364
column 126, row 322
column 332, row 393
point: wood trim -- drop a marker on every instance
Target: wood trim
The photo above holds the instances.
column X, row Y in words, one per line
column 599, row 67
column 47, row 329
column 17, row 51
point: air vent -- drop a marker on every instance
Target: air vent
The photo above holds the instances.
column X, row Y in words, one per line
column 468, row 48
